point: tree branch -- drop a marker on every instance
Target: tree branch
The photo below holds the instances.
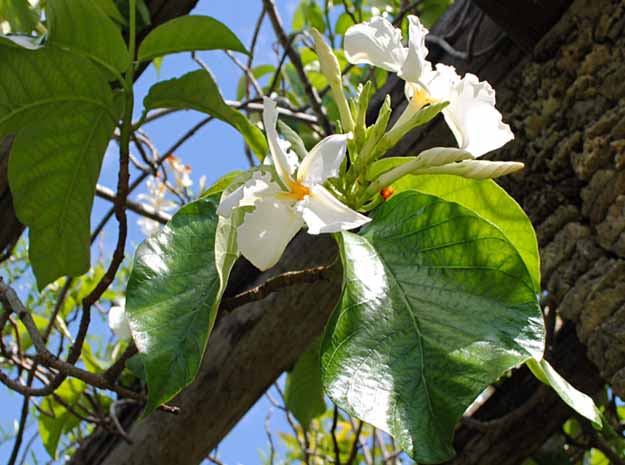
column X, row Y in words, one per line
column 310, row 91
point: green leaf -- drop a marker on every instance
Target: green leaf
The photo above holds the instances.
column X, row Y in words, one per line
column 308, row 13
column 19, row 14
column 84, row 28
column 492, row 203
column 60, row 107
column 436, row 305
column 51, row 428
column 110, row 9
column 577, row 400
column 173, row 295
column 222, row 183
column 198, row 91
column 303, row 393
column 344, row 22
column 187, row 34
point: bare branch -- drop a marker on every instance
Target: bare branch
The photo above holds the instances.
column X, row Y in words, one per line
column 315, row 101
column 290, row 278
column 139, row 208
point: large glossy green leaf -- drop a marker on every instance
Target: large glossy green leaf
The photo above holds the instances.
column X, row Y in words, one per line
column 173, row 295
column 303, row 393
column 577, row 400
column 436, row 304
column 60, row 107
column 198, row 91
column 491, row 202
column 82, row 27
column 186, row 34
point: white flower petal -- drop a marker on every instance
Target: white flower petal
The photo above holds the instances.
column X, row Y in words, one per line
column 471, row 114
column 119, row 323
column 377, row 43
column 414, row 64
column 230, row 201
column 324, row 160
column 267, row 231
column 259, row 185
column 323, row 213
column 280, row 159
column 475, row 169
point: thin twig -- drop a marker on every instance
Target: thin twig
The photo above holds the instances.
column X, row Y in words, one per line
column 310, row 91
column 308, row 276
column 248, row 72
column 357, row 443
column 22, row 424
column 335, row 442
column 139, row 208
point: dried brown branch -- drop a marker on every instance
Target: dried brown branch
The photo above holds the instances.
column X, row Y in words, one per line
column 290, row 278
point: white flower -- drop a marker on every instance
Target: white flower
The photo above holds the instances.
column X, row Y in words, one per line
column 155, row 199
column 471, row 114
column 118, row 322
column 282, row 208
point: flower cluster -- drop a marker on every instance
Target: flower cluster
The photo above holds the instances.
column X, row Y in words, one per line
column 324, row 192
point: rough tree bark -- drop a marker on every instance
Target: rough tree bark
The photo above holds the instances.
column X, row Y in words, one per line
column 565, row 103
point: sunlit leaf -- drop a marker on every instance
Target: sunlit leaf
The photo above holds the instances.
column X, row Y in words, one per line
column 436, row 305
column 173, row 295
column 186, row 34
column 491, row 202
column 60, row 107
column 577, row 400
column 84, row 28
column 198, row 91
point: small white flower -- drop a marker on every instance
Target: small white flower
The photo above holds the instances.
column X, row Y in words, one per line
column 282, row 209
column 157, row 200
column 471, row 114
column 118, row 322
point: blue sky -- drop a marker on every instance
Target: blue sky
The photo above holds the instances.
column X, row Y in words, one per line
column 214, row 151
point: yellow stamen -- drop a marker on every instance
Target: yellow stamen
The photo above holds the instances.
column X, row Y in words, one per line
column 297, row 191
column 420, row 97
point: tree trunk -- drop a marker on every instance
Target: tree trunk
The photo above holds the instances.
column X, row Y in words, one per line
column 565, row 104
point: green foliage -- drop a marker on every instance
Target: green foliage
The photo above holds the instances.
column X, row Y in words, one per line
column 60, row 107
column 308, row 14
column 186, row 34
column 222, row 183
column 436, row 305
column 303, row 393
column 198, row 91
column 19, row 14
column 575, row 399
column 95, row 35
column 173, row 295
column 110, row 9
column 491, row 202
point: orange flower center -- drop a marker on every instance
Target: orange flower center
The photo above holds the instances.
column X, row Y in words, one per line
column 387, row 192
column 297, row 191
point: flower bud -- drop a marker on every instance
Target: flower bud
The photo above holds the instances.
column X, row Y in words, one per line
column 331, row 70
